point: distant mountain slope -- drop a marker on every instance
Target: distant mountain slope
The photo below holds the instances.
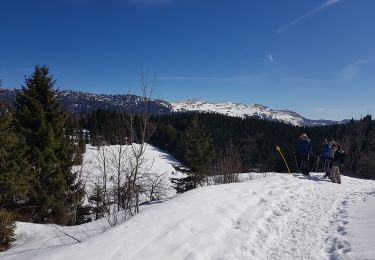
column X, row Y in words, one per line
column 83, row 102
column 79, row 102
column 242, row 110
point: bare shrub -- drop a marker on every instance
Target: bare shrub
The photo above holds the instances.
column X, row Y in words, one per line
column 7, row 226
column 228, row 166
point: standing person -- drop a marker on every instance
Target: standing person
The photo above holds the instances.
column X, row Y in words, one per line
column 327, row 154
column 338, row 161
column 303, row 152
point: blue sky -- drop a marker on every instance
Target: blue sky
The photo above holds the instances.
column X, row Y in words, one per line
column 315, row 57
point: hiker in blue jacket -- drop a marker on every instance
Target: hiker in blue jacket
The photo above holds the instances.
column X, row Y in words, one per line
column 327, row 154
column 303, row 153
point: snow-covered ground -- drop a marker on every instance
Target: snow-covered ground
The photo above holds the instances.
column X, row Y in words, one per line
column 277, row 217
column 356, row 228
column 154, row 162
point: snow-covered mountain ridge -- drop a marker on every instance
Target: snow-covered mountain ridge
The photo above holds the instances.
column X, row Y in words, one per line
column 83, row 102
column 244, row 111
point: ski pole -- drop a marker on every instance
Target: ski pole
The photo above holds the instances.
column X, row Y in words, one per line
column 312, row 168
column 282, row 156
column 317, row 165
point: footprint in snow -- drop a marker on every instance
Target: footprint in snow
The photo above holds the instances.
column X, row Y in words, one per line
column 277, row 213
column 262, row 200
column 341, row 230
column 237, row 224
column 344, row 246
column 192, row 255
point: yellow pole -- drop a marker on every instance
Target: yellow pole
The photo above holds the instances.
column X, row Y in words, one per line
column 282, row 156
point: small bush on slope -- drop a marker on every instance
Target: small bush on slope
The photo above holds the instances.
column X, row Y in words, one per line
column 7, row 226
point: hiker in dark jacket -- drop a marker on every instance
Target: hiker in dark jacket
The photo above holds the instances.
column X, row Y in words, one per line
column 327, row 154
column 303, row 153
column 338, row 161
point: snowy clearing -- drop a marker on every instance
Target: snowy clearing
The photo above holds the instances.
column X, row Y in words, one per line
column 277, row 217
column 154, row 161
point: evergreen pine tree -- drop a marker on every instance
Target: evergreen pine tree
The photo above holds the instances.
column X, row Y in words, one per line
column 15, row 174
column 74, row 200
column 79, row 149
column 15, row 177
column 198, row 154
column 97, row 202
column 42, row 123
column 81, row 141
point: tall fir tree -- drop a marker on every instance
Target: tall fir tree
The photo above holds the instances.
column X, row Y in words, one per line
column 198, row 154
column 42, row 124
column 15, row 177
column 15, row 174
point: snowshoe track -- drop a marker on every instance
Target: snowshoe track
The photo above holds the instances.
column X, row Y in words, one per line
column 298, row 222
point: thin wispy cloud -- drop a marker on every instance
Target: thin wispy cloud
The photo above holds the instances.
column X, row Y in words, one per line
column 323, row 6
column 353, row 70
column 346, row 73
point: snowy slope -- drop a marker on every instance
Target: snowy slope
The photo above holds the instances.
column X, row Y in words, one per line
column 154, row 161
column 33, row 236
column 243, row 110
column 277, row 217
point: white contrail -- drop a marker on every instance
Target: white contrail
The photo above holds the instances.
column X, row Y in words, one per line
column 325, row 5
column 270, row 57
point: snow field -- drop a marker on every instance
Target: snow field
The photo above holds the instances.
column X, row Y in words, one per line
column 154, row 161
column 36, row 236
column 277, row 217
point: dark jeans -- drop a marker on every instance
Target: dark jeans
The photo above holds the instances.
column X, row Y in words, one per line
column 303, row 163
